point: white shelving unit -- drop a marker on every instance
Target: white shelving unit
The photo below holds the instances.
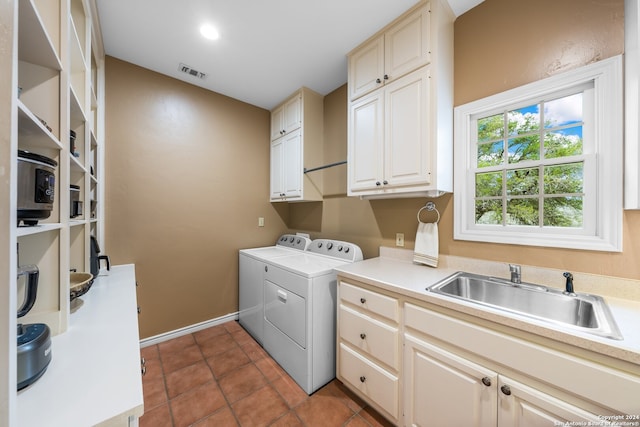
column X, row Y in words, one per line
column 56, row 58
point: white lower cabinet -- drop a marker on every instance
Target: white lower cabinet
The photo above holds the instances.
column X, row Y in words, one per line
column 369, row 347
column 443, row 389
column 422, row 365
column 521, row 405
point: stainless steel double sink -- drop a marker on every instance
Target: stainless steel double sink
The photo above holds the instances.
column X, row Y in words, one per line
column 567, row 311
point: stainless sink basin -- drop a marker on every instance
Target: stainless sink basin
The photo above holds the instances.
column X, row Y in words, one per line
column 583, row 312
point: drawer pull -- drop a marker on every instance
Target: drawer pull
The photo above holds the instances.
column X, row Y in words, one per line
column 143, row 371
column 506, row 390
column 363, row 336
column 362, row 300
column 486, row 381
column 363, row 379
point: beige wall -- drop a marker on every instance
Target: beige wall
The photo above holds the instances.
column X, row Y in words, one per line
column 499, row 45
column 187, row 178
column 188, row 170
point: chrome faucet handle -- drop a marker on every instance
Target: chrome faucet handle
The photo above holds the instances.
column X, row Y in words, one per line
column 516, row 276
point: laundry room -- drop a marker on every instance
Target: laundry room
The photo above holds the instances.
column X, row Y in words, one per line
column 259, row 272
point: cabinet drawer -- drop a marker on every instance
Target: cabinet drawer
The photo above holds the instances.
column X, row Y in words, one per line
column 370, row 336
column 374, row 302
column 370, row 379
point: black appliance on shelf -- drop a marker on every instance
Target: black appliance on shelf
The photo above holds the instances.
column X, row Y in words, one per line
column 36, row 187
column 34, row 339
column 95, row 257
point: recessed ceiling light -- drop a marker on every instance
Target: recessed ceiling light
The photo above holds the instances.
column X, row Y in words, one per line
column 209, row 32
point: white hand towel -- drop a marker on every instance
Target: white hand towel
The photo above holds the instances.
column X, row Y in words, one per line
column 426, row 250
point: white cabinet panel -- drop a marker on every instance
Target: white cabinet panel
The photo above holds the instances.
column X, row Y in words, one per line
column 523, row 406
column 444, row 390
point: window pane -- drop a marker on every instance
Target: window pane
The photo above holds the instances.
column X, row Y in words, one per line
column 563, row 111
column 523, row 182
column 489, row 212
column 524, row 148
column 524, row 120
column 490, row 154
column 522, row 212
column 489, row 184
column 563, row 212
column 491, row 128
column 563, row 179
column 563, row 142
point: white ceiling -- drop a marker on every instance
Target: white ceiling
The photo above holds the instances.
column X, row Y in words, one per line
column 266, row 50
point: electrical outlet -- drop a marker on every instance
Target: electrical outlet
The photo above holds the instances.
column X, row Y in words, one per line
column 260, row 222
column 399, row 239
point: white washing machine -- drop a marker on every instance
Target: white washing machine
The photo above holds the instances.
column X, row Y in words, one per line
column 300, row 310
column 250, row 281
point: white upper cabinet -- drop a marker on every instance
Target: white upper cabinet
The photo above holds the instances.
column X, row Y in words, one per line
column 286, row 118
column 403, row 47
column 296, row 143
column 400, row 126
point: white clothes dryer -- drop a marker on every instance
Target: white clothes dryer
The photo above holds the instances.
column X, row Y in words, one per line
column 250, row 281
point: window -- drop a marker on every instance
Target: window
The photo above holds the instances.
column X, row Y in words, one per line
column 542, row 164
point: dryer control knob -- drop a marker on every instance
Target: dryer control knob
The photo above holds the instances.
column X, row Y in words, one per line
column 346, row 250
column 340, row 248
column 292, row 239
column 319, row 244
column 329, row 245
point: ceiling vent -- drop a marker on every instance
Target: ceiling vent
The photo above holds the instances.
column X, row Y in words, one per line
column 195, row 73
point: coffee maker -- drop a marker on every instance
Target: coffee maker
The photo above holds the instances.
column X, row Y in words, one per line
column 34, row 339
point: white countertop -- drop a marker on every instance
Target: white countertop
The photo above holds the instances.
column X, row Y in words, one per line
column 94, row 374
column 397, row 273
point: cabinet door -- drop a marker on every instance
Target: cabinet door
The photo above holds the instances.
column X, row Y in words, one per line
column 523, row 406
column 292, row 164
column 442, row 389
column 292, row 114
column 407, row 148
column 366, row 68
column 277, row 123
column 277, row 164
column 366, row 139
column 406, row 45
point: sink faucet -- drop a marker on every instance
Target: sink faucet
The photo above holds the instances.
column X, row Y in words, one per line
column 569, row 284
column 516, row 277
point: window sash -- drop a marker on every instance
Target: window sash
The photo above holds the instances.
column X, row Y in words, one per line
column 602, row 157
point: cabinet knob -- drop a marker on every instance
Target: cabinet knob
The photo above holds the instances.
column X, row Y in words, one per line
column 378, row 183
column 506, row 390
column 378, row 81
column 363, row 336
column 363, row 379
column 385, row 182
column 139, row 310
column 266, row 269
column 143, row 362
column 486, row 381
column 362, row 300
column 386, row 77
column 143, row 371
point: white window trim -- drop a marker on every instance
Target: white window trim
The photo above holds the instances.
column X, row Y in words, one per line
column 607, row 78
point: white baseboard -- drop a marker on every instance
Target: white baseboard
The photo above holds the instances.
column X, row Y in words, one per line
column 156, row 339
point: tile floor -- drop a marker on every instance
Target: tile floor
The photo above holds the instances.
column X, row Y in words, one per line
column 221, row 377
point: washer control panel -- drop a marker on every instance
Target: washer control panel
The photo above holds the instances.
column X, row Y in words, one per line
column 294, row 241
column 337, row 249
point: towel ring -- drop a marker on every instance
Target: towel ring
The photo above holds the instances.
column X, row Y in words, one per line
column 430, row 206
